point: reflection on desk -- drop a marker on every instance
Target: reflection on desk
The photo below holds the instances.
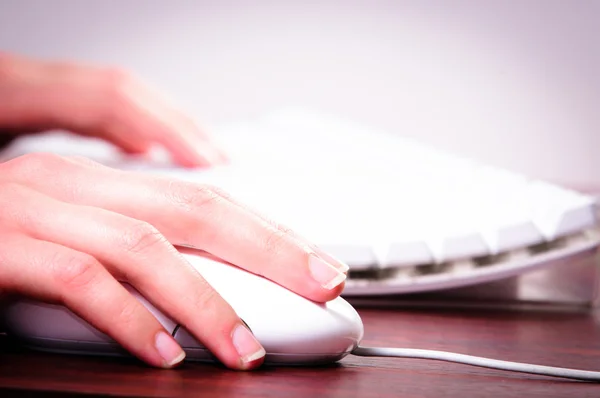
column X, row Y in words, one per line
column 569, row 339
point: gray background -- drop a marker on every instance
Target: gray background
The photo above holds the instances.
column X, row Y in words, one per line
column 514, row 83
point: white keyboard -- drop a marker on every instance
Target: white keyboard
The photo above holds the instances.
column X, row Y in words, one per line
column 405, row 217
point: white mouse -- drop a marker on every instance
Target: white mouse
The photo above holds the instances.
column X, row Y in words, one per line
column 292, row 329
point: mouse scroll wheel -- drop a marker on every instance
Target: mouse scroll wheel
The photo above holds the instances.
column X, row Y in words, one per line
column 178, row 326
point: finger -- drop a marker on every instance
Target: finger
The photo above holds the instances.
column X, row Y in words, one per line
column 193, row 215
column 55, row 273
column 136, row 252
column 38, row 96
column 101, row 102
column 340, row 265
column 183, row 139
column 211, row 220
column 144, row 115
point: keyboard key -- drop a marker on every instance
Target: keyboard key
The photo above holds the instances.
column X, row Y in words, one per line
column 404, row 216
column 558, row 212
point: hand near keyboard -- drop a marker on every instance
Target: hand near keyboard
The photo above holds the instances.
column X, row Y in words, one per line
column 71, row 229
column 107, row 103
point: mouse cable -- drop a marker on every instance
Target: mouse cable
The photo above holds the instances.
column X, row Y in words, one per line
column 477, row 361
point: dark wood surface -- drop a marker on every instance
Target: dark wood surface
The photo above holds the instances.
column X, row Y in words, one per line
column 570, row 339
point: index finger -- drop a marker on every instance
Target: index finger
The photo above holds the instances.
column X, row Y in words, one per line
column 195, row 215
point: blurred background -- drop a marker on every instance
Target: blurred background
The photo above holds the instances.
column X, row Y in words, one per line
column 515, row 83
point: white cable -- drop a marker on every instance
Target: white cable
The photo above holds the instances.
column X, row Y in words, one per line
column 477, row 361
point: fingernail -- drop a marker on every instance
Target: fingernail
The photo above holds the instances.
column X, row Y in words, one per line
column 326, row 274
column 341, row 266
column 168, row 349
column 248, row 348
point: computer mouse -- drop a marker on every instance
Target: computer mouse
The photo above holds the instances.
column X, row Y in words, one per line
column 292, row 329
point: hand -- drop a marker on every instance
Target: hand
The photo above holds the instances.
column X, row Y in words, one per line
column 106, row 103
column 70, row 229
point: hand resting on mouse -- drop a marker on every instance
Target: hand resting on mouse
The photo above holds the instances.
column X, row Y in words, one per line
column 71, row 229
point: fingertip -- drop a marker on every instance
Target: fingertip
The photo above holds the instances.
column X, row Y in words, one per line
column 190, row 160
column 131, row 147
column 336, row 262
column 195, row 157
column 321, row 282
column 137, row 151
column 321, row 295
column 335, row 292
column 251, row 352
column 254, row 363
column 324, row 273
column 169, row 350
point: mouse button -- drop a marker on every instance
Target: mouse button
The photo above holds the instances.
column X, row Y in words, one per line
column 30, row 319
column 334, row 327
column 306, row 327
column 345, row 317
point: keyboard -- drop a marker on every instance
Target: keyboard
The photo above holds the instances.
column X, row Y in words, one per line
column 404, row 216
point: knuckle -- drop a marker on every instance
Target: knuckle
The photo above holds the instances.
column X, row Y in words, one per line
column 142, row 237
column 10, row 191
column 82, row 160
column 75, row 271
column 278, row 226
column 44, row 169
column 19, row 206
column 127, row 314
column 220, row 192
column 118, row 81
column 33, row 162
column 8, row 241
column 275, row 240
column 193, row 197
column 207, row 300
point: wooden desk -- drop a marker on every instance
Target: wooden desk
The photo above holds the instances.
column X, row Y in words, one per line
column 561, row 339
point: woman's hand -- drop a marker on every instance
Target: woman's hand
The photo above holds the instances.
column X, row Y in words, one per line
column 70, row 229
column 107, row 103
